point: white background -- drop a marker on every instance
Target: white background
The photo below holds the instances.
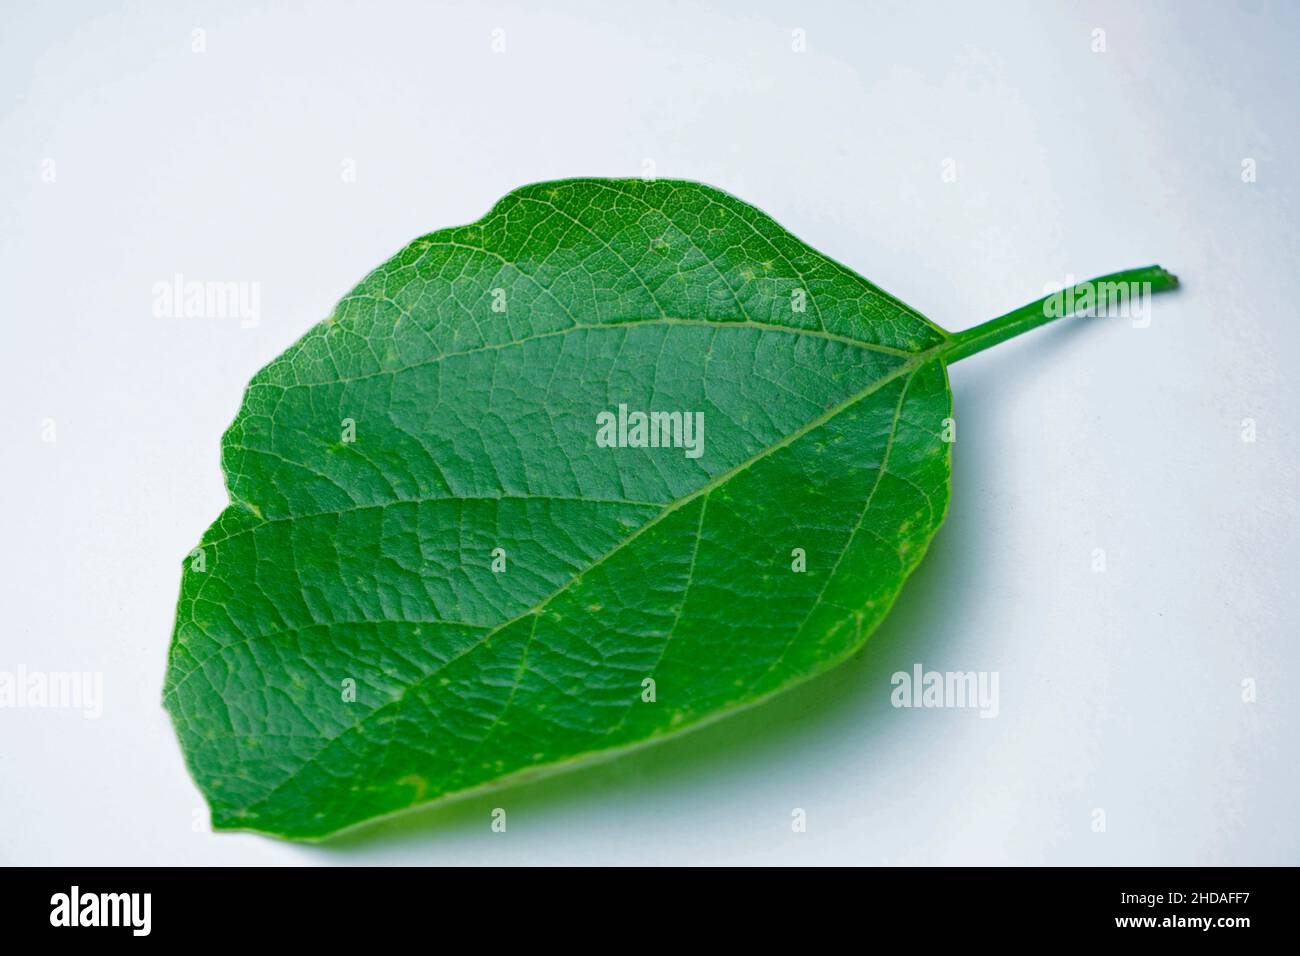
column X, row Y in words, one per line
column 1120, row 691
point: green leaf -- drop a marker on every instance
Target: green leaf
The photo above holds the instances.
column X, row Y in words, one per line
column 433, row 578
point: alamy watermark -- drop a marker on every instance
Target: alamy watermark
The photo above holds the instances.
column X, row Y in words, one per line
column 76, row 908
column 53, row 690
column 977, row 690
column 1126, row 300
column 182, row 298
column 651, row 430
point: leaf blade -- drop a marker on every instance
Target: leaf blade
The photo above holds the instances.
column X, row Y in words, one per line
column 798, row 407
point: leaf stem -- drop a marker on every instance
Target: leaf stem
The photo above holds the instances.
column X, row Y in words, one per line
column 1124, row 287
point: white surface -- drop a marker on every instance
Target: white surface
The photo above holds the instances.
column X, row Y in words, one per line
column 1119, row 691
